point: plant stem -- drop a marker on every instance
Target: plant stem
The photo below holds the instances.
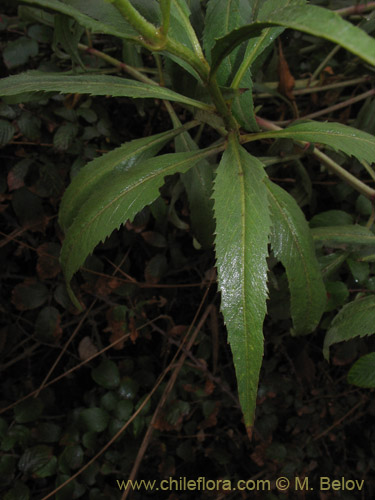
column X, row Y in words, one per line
column 335, row 107
column 221, row 105
column 156, row 40
column 304, row 86
column 131, row 14
column 346, row 176
column 322, row 65
column 165, row 7
column 356, row 9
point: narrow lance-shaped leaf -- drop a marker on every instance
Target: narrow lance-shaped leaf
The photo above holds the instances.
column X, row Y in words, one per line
column 36, row 81
column 362, row 373
column 222, row 16
column 181, row 29
column 292, row 243
column 242, row 228
column 97, row 15
column 89, row 177
column 69, row 40
column 243, row 105
column 198, row 182
column 356, row 319
column 119, row 197
column 306, row 18
column 349, row 140
column 353, row 235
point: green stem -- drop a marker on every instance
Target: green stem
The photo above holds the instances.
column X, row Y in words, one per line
column 323, row 64
column 165, row 7
column 118, row 64
column 131, row 14
column 155, row 40
column 221, row 105
column 319, row 155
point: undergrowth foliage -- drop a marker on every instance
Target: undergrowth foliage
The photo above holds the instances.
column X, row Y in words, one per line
column 247, row 207
column 203, row 66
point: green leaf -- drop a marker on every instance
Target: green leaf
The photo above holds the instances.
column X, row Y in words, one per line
column 292, row 244
column 343, row 235
column 337, row 293
column 19, row 52
column 106, row 374
column 47, row 325
column 7, row 132
column 96, row 15
column 119, row 197
column 306, row 18
column 94, row 419
column 331, row 263
column 88, row 178
column 180, row 27
column 37, row 81
column 72, row 456
column 35, row 458
column 362, row 373
column 64, row 136
column 349, row 140
column 243, row 105
column 198, row 182
column 222, row 16
column 242, row 228
column 331, row 218
column 67, row 37
column 355, row 319
column 29, row 126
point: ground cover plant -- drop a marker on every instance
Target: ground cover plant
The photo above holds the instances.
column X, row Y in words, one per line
column 202, row 59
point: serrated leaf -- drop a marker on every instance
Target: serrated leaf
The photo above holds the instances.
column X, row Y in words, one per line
column 19, row 51
column 64, row 136
column 180, row 27
column 242, row 228
column 222, row 16
column 35, row 458
column 293, row 245
column 356, row 319
column 198, row 182
column 331, row 218
column 96, row 15
column 86, row 181
column 37, row 81
column 119, row 197
column 68, row 38
column 349, row 140
column 362, row 373
column 331, row 262
column 7, row 132
column 306, row 18
column 243, row 105
column 29, row 126
column 343, row 235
